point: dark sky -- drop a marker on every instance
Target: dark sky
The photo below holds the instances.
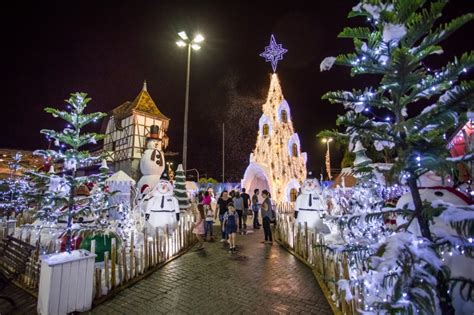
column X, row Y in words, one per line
column 107, row 49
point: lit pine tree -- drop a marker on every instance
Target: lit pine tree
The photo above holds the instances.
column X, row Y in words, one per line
column 13, row 188
column 396, row 48
column 56, row 195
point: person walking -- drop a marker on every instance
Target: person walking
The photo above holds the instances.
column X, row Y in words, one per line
column 206, row 200
column 267, row 217
column 246, row 202
column 239, row 207
column 199, row 227
column 222, row 204
column 230, row 224
column 208, row 225
column 255, row 208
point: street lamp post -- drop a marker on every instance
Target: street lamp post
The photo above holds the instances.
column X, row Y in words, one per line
column 186, row 42
column 197, row 172
column 328, row 157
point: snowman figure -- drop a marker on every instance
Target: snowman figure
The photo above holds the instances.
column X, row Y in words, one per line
column 431, row 187
column 162, row 208
column 152, row 163
column 310, row 207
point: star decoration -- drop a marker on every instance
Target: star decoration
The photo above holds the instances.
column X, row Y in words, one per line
column 273, row 53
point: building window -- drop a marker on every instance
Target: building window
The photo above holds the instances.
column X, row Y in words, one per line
column 284, row 116
column 293, row 194
column 294, row 149
column 266, row 129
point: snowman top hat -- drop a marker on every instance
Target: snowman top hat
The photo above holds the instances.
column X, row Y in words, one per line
column 154, row 132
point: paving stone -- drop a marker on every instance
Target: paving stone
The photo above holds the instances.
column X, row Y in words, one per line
column 258, row 279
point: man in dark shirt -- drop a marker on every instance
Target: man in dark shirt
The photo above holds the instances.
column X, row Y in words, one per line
column 246, row 199
column 222, row 203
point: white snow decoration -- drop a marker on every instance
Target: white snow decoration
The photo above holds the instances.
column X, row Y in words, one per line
column 383, row 59
column 454, row 213
column 347, row 95
column 327, row 63
column 70, row 164
column 373, row 10
column 429, row 128
column 92, row 140
column 364, row 47
column 470, row 115
column 64, row 257
column 393, row 32
column 343, row 285
column 359, row 107
column 56, row 142
column 428, row 109
column 404, row 111
column 461, row 158
column 381, row 144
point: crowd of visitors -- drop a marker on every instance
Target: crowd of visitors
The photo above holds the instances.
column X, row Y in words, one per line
column 233, row 210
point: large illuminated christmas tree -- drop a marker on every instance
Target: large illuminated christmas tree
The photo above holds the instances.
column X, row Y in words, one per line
column 407, row 272
column 277, row 163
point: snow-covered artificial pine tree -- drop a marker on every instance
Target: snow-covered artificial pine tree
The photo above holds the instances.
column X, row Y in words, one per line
column 62, row 195
column 396, row 45
column 180, row 188
column 13, row 188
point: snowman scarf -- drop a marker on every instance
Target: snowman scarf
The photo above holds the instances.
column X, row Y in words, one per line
column 156, row 157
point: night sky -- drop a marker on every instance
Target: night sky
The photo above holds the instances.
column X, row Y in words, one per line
column 107, row 49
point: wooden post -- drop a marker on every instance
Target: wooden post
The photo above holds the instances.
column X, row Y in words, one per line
column 93, row 246
column 166, row 242
column 106, row 269
column 114, row 261
column 98, row 282
column 150, row 254
column 124, row 265
column 145, row 252
column 132, row 255
column 306, row 251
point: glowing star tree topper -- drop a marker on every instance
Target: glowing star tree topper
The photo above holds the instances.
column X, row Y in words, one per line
column 273, row 53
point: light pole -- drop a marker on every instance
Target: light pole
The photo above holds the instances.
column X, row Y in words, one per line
column 197, row 172
column 186, row 42
column 328, row 157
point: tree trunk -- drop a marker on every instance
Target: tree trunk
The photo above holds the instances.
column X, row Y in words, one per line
column 445, row 302
column 72, row 191
column 415, row 194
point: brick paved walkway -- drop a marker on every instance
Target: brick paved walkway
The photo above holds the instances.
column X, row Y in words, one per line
column 26, row 304
column 260, row 279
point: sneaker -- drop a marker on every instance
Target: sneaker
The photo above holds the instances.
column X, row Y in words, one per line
column 223, row 240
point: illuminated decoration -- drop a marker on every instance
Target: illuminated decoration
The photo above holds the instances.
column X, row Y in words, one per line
column 273, row 53
column 460, row 144
column 277, row 163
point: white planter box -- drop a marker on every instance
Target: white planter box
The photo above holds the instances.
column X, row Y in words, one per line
column 66, row 282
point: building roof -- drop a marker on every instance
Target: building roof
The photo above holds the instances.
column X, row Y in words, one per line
column 143, row 103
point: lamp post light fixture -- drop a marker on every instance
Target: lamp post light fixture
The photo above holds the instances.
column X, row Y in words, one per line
column 197, row 172
column 328, row 157
column 194, row 44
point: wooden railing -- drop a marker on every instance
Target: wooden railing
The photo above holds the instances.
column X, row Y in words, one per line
column 128, row 264
column 328, row 265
